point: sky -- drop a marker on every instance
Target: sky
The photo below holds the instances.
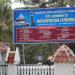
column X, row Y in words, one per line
column 12, row 0
column 19, row 5
column 16, row 4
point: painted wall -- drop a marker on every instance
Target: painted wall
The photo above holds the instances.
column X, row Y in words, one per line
column 63, row 69
column 12, row 69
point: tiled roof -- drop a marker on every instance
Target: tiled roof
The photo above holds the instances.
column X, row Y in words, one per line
column 3, row 47
column 63, row 55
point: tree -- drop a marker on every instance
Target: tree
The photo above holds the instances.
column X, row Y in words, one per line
column 5, row 21
column 35, row 53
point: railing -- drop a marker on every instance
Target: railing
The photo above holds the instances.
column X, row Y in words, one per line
column 3, row 69
column 33, row 70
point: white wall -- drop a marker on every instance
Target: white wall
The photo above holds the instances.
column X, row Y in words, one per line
column 12, row 69
column 63, row 69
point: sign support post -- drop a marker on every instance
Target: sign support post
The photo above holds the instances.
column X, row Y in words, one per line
column 23, row 53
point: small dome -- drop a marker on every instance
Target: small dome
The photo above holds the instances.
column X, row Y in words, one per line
column 63, row 55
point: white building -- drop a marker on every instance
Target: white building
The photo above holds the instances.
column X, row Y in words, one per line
column 63, row 60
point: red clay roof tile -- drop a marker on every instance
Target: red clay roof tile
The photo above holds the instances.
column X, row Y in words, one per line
column 3, row 47
column 63, row 55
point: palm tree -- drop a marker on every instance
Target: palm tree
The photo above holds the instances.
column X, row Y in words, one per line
column 5, row 21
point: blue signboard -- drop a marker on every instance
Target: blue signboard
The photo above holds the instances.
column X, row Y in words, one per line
column 44, row 17
column 29, row 23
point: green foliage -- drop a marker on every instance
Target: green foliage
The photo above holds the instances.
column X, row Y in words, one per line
column 5, row 21
column 71, row 46
column 32, row 52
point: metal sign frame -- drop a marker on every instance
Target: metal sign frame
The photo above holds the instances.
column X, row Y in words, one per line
column 46, row 18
